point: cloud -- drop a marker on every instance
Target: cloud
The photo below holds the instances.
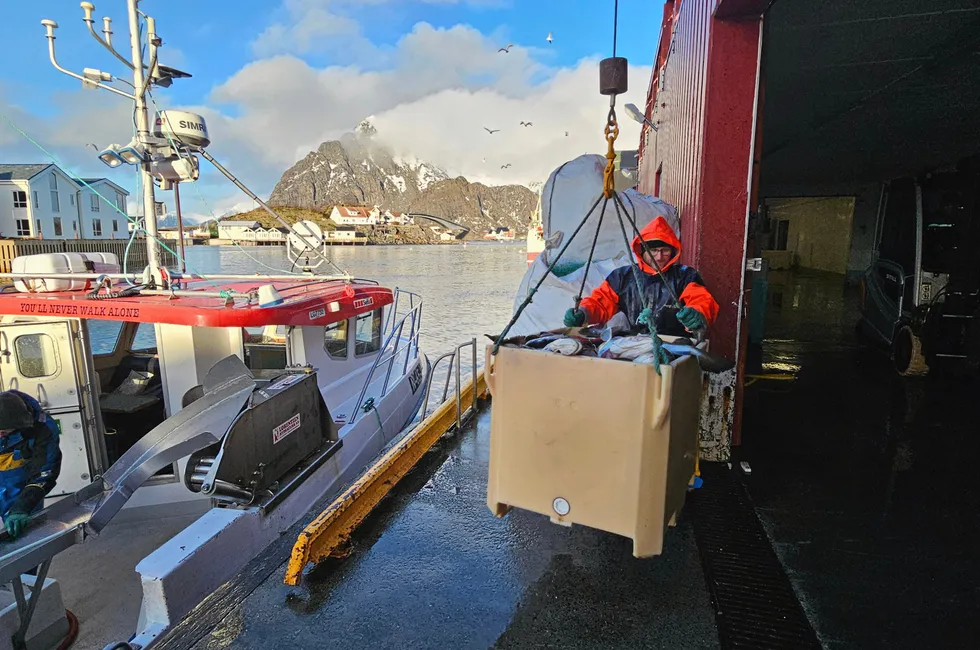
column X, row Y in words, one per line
column 431, row 93
column 309, row 26
column 441, row 88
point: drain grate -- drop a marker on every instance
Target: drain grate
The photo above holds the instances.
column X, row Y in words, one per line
column 755, row 606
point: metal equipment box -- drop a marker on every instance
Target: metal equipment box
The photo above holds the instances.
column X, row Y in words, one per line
column 604, row 443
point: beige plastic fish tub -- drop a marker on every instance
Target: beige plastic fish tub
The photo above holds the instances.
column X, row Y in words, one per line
column 603, row 443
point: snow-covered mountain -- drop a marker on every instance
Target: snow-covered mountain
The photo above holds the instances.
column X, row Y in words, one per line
column 357, row 170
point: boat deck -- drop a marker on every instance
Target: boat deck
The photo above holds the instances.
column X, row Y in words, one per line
column 432, row 568
column 98, row 579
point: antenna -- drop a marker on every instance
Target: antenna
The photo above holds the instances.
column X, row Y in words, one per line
column 145, row 150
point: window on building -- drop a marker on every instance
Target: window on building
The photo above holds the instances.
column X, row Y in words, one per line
column 37, row 203
column 115, row 225
column 121, row 202
column 38, row 222
column 55, row 199
column 74, row 226
column 57, row 227
column 97, row 227
column 160, row 209
column 23, row 227
column 367, row 337
column 71, row 199
column 20, row 199
column 781, row 235
column 335, row 339
column 95, row 202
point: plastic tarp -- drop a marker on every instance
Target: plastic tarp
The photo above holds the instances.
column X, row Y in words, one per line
column 565, row 199
column 547, row 309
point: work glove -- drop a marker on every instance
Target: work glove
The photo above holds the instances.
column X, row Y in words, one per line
column 575, row 317
column 691, row 319
column 16, row 523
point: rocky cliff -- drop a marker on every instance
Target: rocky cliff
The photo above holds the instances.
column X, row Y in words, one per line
column 356, row 170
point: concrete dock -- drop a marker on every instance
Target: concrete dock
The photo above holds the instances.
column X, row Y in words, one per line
column 861, row 480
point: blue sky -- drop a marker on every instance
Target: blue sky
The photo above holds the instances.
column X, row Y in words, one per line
column 275, row 78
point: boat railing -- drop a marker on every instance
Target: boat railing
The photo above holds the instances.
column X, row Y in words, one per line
column 455, row 363
column 393, row 337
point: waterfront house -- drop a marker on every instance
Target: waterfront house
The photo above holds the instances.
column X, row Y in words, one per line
column 42, row 201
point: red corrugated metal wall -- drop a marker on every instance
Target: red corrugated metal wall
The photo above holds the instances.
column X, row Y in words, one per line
column 702, row 98
column 676, row 103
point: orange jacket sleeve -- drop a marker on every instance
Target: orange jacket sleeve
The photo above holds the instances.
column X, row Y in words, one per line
column 602, row 304
column 696, row 296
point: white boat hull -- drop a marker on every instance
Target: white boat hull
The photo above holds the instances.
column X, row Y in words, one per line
column 197, row 561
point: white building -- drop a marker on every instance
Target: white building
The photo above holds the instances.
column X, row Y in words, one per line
column 102, row 207
column 344, row 234
column 397, row 218
column 251, row 232
column 343, row 215
column 238, row 230
column 42, row 201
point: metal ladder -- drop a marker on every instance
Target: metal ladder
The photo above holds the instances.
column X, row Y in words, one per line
column 454, row 362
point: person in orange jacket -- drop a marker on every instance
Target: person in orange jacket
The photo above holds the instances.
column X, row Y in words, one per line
column 619, row 291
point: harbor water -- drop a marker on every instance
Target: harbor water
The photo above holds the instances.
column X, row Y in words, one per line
column 466, row 291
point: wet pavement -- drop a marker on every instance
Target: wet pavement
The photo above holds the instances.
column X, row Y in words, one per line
column 432, row 568
column 864, row 480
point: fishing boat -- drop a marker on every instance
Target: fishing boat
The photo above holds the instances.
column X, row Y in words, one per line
column 535, row 234
column 246, row 398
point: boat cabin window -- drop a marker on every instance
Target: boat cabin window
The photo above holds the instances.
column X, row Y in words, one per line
column 37, row 355
column 145, row 339
column 265, row 348
column 104, row 335
column 367, row 337
column 335, row 339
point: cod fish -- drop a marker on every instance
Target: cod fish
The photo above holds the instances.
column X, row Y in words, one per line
column 708, row 362
column 568, row 347
column 542, row 341
column 626, row 347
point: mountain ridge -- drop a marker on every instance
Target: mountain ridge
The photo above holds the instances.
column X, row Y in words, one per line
column 357, row 170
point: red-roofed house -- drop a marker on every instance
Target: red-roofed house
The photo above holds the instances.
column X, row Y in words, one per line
column 344, row 215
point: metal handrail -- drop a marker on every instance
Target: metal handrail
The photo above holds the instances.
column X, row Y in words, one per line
column 454, row 357
column 397, row 327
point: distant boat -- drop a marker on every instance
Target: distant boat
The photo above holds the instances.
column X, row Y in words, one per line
column 535, row 234
column 500, row 234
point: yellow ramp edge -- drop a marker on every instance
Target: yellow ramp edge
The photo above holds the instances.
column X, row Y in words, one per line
column 333, row 526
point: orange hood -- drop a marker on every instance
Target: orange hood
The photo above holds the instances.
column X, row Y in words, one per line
column 656, row 229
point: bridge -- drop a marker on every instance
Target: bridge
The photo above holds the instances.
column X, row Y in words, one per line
column 445, row 223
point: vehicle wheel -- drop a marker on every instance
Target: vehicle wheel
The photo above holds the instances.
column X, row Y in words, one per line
column 907, row 354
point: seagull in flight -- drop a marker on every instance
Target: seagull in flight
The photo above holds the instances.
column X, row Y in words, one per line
column 490, row 131
column 527, row 124
column 566, row 134
column 505, row 166
column 549, row 39
column 506, row 50
column 92, row 145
